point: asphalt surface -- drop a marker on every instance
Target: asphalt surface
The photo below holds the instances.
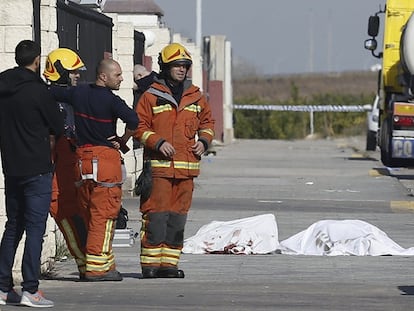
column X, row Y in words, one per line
column 300, row 182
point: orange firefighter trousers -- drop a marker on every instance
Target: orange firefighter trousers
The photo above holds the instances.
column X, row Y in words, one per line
column 164, row 216
column 100, row 194
column 65, row 208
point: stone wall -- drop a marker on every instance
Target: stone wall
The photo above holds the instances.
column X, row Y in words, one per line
column 122, row 52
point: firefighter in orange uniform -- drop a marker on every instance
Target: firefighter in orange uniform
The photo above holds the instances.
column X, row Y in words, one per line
column 62, row 68
column 101, row 171
column 176, row 128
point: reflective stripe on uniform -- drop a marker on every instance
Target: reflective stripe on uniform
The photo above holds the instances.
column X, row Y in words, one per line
column 163, row 108
column 193, row 108
column 177, row 164
column 99, row 263
column 100, row 267
column 99, row 259
column 151, row 251
column 106, row 247
column 146, row 135
column 207, row 131
column 173, row 252
column 160, row 163
column 187, row 165
column 106, row 259
column 169, row 261
column 150, row 260
column 72, row 242
column 170, row 256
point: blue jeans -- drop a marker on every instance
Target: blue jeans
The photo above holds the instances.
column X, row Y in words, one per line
column 27, row 208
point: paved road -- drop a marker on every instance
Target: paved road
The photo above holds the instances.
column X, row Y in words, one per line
column 300, row 182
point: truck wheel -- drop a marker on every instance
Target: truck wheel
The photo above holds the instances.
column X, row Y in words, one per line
column 386, row 143
column 371, row 141
column 385, row 146
column 385, row 158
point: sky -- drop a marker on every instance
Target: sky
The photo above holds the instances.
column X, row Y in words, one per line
column 283, row 37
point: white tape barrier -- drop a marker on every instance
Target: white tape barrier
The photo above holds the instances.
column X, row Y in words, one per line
column 305, row 108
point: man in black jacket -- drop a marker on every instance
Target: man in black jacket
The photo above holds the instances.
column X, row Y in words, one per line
column 28, row 116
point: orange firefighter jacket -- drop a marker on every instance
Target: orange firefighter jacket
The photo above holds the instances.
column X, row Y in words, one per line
column 162, row 119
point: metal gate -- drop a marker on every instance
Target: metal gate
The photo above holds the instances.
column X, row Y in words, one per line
column 36, row 21
column 85, row 31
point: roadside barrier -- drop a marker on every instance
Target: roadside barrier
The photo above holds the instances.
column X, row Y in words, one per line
column 306, row 108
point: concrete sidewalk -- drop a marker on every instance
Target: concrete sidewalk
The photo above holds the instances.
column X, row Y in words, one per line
column 300, row 182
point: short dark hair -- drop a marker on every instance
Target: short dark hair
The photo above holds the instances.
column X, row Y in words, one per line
column 104, row 65
column 26, row 51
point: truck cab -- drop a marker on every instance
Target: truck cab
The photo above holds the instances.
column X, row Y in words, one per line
column 395, row 135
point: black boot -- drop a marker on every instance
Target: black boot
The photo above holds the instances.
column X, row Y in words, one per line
column 112, row 275
column 149, row 273
column 170, row 273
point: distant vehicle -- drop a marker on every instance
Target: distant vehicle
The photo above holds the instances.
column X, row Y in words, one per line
column 372, row 122
column 396, row 84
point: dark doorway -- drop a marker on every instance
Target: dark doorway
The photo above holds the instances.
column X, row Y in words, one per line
column 139, row 47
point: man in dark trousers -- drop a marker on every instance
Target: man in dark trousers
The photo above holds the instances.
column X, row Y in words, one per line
column 28, row 116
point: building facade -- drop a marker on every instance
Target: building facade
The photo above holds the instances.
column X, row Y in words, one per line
column 129, row 31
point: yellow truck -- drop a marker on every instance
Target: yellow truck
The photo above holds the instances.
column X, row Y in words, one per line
column 395, row 136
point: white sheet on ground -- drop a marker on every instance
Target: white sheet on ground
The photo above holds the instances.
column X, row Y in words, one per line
column 342, row 237
column 252, row 235
column 259, row 235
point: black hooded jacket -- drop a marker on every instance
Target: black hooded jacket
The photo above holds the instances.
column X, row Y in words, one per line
column 28, row 116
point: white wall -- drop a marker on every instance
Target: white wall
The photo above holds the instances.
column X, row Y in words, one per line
column 123, row 52
column 220, row 63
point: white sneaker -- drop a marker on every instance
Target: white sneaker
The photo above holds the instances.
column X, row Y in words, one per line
column 9, row 298
column 35, row 300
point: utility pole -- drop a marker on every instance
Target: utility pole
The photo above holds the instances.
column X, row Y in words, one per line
column 329, row 56
column 198, row 27
column 311, row 47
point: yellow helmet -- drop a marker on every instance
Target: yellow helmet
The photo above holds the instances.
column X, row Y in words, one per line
column 172, row 53
column 59, row 62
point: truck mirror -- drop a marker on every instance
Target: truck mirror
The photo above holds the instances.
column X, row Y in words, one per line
column 373, row 25
column 370, row 44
